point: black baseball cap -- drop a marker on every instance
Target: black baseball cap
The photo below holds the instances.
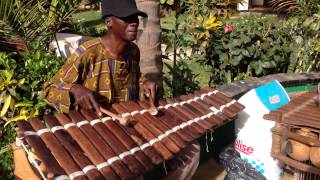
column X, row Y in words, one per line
column 120, row 8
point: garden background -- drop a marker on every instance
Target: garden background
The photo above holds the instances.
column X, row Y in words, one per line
column 203, row 43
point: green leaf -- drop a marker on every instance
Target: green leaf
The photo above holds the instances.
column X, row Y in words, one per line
column 41, row 104
column 224, row 58
column 269, row 64
column 308, row 21
column 277, row 58
column 16, row 118
column 315, row 26
column 245, row 52
column 235, row 52
column 236, row 60
column 25, row 88
column 257, row 54
column 259, row 69
column 12, row 91
column 256, row 65
column 168, row 23
column 34, row 84
column 24, row 111
column 227, row 45
column 5, row 106
column 251, row 50
column 199, row 30
column 34, row 112
column 24, row 104
column 236, row 42
column 245, row 39
column 12, row 103
column 2, row 95
column 21, row 81
column 169, row 48
column 8, row 74
column 188, row 37
column 293, row 61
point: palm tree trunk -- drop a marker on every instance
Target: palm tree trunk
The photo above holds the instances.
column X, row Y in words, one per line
column 149, row 40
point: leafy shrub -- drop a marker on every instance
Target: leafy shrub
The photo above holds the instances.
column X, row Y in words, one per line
column 8, row 86
column 306, row 37
column 295, row 7
column 257, row 46
column 22, row 77
column 33, row 20
column 180, row 80
column 37, row 67
column 254, row 46
column 6, row 154
column 186, row 26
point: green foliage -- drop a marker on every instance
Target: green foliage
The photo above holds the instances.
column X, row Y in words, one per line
column 39, row 67
column 186, row 26
column 295, row 7
column 308, row 7
column 21, row 78
column 34, row 19
column 184, row 82
column 306, row 38
column 257, row 46
column 21, row 83
column 6, row 154
column 8, row 85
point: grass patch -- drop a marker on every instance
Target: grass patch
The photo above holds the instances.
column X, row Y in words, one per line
column 86, row 16
column 88, row 23
column 307, row 87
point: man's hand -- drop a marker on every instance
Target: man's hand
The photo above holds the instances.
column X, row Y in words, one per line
column 150, row 89
column 85, row 98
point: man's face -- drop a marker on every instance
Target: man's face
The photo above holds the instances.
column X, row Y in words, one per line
column 126, row 28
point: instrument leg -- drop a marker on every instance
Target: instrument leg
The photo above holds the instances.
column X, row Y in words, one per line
column 186, row 163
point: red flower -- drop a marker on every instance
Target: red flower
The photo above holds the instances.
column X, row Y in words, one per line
column 228, row 28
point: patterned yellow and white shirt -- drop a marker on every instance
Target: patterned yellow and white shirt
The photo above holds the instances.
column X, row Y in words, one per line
column 113, row 80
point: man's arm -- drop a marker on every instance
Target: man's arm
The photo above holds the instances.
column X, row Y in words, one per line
column 147, row 87
column 66, row 89
column 57, row 90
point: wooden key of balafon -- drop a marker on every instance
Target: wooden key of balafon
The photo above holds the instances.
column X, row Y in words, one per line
column 130, row 146
column 72, row 147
